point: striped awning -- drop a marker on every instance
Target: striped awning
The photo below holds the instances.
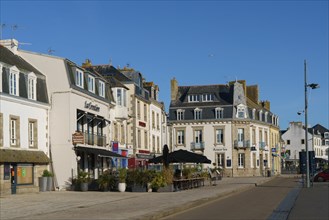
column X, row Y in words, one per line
column 23, row 156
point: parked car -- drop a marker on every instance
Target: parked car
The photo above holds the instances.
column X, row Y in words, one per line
column 322, row 176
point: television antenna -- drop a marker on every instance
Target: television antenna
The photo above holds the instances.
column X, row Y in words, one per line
column 50, row 51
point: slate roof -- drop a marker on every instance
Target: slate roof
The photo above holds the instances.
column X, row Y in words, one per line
column 320, row 128
column 8, row 57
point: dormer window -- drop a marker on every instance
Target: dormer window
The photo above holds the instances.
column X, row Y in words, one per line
column 14, row 81
column 207, row 97
column 32, row 82
column 79, row 78
column 197, row 114
column 193, row 98
column 241, row 111
column 219, row 113
column 101, row 89
column 266, row 113
column 91, row 84
column 180, row 114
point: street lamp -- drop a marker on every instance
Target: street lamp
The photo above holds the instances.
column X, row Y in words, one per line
column 312, row 86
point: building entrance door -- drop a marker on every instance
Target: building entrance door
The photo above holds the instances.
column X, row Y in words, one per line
column 13, row 175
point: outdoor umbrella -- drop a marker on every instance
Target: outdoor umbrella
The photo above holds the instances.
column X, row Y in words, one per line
column 182, row 156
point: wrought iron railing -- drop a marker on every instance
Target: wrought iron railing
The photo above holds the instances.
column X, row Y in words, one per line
column 94, row 139
column 242, row 144
column 197, row 146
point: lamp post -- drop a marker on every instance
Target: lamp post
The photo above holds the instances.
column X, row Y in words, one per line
column 312, row 86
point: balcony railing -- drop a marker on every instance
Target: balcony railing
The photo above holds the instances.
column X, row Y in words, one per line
column 197, row 146
column 93, row 139
column 241, row 144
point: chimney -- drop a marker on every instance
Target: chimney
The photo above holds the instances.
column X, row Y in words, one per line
column 86, row 64
column 174, row 89
column 10, row 44
column 266, row 104
column 252, row 93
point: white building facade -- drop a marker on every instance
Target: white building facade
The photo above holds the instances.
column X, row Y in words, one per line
column 24, row 122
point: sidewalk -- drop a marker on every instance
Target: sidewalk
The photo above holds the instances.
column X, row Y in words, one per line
column 115, row 205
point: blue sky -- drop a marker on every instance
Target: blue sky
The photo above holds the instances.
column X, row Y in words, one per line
column 197, row 42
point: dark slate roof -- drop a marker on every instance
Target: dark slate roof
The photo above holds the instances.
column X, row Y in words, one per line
column 6, row 56
column 111, row 74
column 320, row 128
column 223, row 95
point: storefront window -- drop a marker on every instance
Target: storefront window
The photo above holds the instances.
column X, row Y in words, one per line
column 24, row 174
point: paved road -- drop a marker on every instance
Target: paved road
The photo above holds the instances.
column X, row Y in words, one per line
column 256, row 203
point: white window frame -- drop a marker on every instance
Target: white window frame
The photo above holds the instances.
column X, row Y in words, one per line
column 266, row 113
column 219, row 113
column 91, row 84
column 219, row 136
column 32, row 86
column 260, row 115
column 207, row 97
column 14, row 81
column 254, row 114
column 241, row 111
column 193, row 98
column 180, row 137
column 198, row 136
column 119, row 97
column 101, row 89
column 197, row 114
column 124, row 97
column 79, row 78
column 180, row 114
column 241, row 160
column 240, row 134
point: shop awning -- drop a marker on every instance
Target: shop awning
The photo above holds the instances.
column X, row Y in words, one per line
column 97, row 151
column 23, row 156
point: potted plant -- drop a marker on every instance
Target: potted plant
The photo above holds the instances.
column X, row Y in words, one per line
column 43, row 181
column 122, row 175
column 106, row 181
column 135, row 181
column 83, row 179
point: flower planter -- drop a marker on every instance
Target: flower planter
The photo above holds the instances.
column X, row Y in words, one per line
column 50, row 184
column 168, row 188
column 42, row 184
column 122, row 187
column 84, row 187
column 138, row 188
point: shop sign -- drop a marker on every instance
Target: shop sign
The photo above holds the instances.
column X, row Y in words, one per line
column 144, row 156
column 274, row 149
column 142, row 124
column 90, row 106
column 144, row 151
column 78, row 138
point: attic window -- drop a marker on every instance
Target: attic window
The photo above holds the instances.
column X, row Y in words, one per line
column 197, row 114
column 219, row 113
column 79, row 78
column 207, row 97
column 254, row 114
column 32, row 82
column 180, row 114
column 14, row 81
column 91, row 84
column 193, row 98
column 241, row 111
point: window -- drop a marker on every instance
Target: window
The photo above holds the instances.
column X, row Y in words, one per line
column 193, row 98
column 145, row 139
column 266, row 113
column 219, row 136
column 32, row 81
column 139, row 143
column 219, row 113
column 124, row 97
column 207, row 97
column 119, row 97
column 253, row 136
column 122, row 134
column 180, row 137
column 138, row 110
column 241, row 111
column 288, row 142
column 303, row 141
column 33, row 134
column 101, row 89
column 153, row 119
column 220, row 160
column 158, row 144
column 180, row 114
column 14, row 81
column 240, row 134
column 158, row 121
column 197, row 114
column 79, row 78
column 91, row 84
column 241, row 160
column 145, row 112
column 153, row 143
column 198, row 136
column 260, row 115
column 14, row 131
